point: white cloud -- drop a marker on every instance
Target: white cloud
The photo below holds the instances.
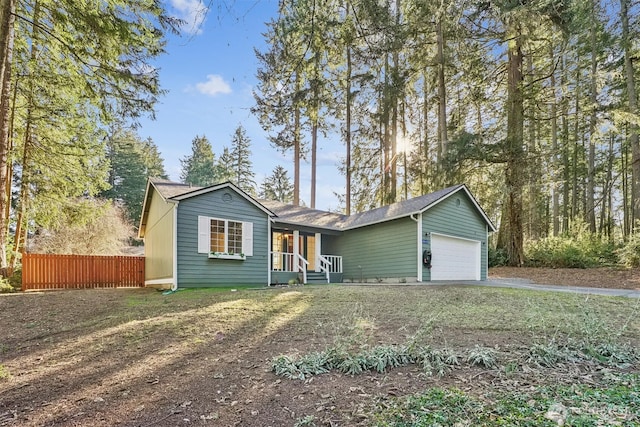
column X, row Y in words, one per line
column 214, row 85
column 192, row 12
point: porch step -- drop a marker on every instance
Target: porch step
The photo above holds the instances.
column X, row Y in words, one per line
column 314, row 277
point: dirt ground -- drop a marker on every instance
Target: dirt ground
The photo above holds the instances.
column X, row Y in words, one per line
column 139, row 358
column 605, row 277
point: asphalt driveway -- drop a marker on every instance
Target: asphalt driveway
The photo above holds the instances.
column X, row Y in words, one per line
column 527, row 284
column 518, row 283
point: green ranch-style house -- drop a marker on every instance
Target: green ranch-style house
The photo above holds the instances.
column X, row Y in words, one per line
column 219, row 235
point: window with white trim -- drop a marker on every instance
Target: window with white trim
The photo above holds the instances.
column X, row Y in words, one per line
column 224, row 236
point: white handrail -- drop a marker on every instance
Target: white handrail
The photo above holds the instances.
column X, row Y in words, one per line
column 326, row 268
column 302, row 267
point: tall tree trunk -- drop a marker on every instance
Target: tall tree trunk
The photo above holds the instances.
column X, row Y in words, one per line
column 577, row 137
column 24, row 194
column 590, row 210
column 386, row 137
column 626, row 218
column 565, row 146
column 633, row 108
column 533, row 169
column 514, row 147
column 25, row 181
column 443, row 139
column 555, row 167
column 347, row 129
column 9, row 180
column 314, row 151
column 296, row 147
column 609, row 187
column 7, row 19
column 315, row 119
column 424, row 162
column 393, row 184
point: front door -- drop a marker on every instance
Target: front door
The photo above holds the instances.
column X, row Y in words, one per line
column 308, row 249
column 282, row 242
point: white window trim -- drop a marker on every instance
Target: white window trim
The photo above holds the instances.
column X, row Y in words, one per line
column 204, row 237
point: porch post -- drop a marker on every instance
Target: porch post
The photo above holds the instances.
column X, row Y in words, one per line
column 420, row 267
column 318, row 251
column 296, row 246
column 269, row 253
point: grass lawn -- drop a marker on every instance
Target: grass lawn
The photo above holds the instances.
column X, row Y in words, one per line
column 319, row 355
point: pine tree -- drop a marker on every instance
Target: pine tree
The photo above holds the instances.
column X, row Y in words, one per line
column 199, row 167
column 277, row 186
column 132, row 161
column 154, row 163
column 76, row 67
column 241, row 165
column 225, row 166
column 279, row 92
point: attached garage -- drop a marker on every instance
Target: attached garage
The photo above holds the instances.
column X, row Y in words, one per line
column 454, row 258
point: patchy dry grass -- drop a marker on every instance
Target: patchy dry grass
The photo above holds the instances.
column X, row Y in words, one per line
column 138, row 357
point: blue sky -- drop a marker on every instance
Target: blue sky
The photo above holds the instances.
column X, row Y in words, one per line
column 209, row 73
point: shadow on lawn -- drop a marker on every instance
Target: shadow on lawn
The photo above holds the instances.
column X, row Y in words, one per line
column 132, row 368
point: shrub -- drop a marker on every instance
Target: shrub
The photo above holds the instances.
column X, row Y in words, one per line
column 579, row 248
column 483, row 356
column 5, row 286
column 629, row 253
column 497, row 257
column 548, row 355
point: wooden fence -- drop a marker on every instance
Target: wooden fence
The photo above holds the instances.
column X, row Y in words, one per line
column 46, row 271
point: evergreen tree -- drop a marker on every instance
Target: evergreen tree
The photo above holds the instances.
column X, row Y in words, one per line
column 154, row 163
column 241, row 165
column 279, row 92
column 277, row 186
column 66, row 70
column 199, row 168
column 225, row 166
column 132, row 161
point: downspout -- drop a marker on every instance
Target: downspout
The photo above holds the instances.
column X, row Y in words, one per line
column 418, row 220
column 269, row 247
column 174, row 284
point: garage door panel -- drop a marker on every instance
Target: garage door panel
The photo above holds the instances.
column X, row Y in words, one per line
column 454, row 258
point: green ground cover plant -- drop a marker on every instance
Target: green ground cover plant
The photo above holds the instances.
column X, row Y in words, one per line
column 616, row 401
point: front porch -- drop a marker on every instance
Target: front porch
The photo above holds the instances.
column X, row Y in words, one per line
column 299, row 255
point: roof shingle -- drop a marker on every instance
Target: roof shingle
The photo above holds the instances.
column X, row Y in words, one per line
column 298, row 215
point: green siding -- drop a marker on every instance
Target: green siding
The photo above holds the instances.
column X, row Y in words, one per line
column 197, row 270
column 158, row 239
column 384, row 250
column 458, row 220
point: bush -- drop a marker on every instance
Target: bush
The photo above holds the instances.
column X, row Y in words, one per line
column 497, row 257
column 15, row 279
column 578, row 249
column 5, row 286
column 629, row 253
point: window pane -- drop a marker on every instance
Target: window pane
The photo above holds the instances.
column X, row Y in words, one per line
column 234, row 238
column 217, row 235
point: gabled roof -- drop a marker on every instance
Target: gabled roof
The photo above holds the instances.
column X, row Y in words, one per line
column 175, row 191
column 399, row 209
column 298, row 215
column 411, row 207
column 197, row 191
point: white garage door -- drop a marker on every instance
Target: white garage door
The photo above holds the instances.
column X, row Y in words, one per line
column 454, row 259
